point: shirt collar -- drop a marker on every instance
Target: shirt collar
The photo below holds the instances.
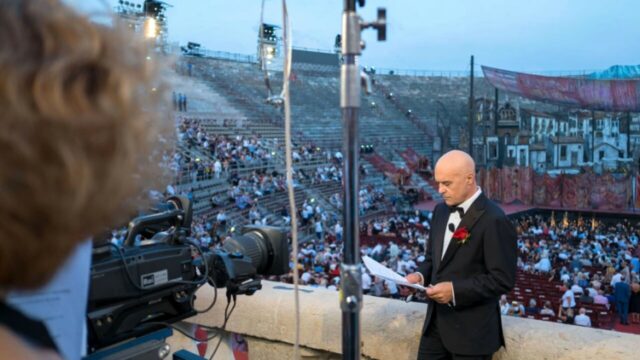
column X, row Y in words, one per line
column 467, row 203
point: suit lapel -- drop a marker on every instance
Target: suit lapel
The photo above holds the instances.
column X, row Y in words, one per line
column 468, row 220
column 437, row 237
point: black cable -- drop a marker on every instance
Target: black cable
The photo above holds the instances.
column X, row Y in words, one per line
column 206, row 266
column 224, row 325
column 216, row 349
column 215, row 298
column 120, row 250
column 205, row 277
column 126, row 267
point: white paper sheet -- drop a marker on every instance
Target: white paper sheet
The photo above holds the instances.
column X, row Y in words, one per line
column 379, row 270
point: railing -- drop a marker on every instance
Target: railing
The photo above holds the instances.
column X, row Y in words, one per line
column 224, row 55
column 245, row 58
column 417, row 72
column 314, row 50
column 477, row 72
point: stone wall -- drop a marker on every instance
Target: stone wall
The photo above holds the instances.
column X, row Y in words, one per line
column 390, row 329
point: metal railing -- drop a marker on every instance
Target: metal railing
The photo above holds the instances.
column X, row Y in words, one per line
column 418, row 72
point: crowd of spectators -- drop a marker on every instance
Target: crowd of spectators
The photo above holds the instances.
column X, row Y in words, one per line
column 586, row 265
column 593, row 262
column 396, row 241
column 243, row 161
column 222, row 152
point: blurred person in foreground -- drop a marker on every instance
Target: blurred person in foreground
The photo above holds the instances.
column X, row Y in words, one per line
column 81, row 114
column 470, row 262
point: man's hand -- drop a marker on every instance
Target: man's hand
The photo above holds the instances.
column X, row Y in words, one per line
column 441, row 292
column 414, row 278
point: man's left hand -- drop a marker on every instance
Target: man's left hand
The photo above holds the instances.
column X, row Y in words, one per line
column 441, row 292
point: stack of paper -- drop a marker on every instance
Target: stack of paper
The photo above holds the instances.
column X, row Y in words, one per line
column 379, row 270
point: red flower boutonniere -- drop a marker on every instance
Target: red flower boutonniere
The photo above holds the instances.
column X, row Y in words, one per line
column 461, row 235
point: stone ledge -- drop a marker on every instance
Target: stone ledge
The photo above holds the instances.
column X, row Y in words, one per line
column 390, row 329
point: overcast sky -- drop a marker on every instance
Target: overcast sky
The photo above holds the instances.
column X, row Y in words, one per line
column 540, row 35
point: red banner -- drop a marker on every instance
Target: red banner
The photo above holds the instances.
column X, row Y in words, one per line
column 605, row 95
column 509, row 186
column 553, row 187
column 526, row 180
column 581, row 191
column 539, row 191
column 569, row 194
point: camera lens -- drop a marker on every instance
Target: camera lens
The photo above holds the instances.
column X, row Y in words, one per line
column 253, row 245
column 266, row 246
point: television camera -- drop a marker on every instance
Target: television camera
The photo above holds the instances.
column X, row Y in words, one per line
column 151, row 280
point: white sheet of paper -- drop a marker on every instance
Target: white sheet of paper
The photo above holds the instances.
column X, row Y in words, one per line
column 384, row 272
column 62, row 304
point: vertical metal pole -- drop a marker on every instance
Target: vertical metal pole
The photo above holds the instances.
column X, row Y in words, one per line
column 485, row 121
column 495, row 129
column 349, row 5
column 628, row 130
column 634, row 194
column 593, row 138
column 350, row 270
column 471, row 110
column 495, row 111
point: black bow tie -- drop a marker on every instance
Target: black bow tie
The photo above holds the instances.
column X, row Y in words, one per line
column 459, row 209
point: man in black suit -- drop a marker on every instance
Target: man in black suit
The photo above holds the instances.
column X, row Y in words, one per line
column 470, row 261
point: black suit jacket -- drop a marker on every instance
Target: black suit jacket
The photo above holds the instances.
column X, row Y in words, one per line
column 481, row 270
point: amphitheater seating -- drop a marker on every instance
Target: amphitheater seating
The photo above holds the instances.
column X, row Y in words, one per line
column 316, row 117
column 315, row 104
column 538, row 287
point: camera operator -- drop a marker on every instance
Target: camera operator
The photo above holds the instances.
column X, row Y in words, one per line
column 79, row 118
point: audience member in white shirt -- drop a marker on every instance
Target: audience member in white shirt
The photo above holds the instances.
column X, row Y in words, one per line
column 582, row 319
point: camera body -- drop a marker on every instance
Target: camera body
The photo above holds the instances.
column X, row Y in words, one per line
column 117, row 307
column 151, row 281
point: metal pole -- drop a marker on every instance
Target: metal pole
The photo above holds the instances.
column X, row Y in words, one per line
column 499, row 147
column 349, row 5
column 471, row 110
column 485, row 131
column 350, row 269
column 628, row 130
column 593, row 138
column 495, row 111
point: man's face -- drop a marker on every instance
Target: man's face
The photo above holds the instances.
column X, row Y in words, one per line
column 453, row 185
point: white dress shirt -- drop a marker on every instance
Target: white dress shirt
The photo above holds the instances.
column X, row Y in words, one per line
column 455, row 219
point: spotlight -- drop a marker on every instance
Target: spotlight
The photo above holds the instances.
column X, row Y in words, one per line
column 150, row 28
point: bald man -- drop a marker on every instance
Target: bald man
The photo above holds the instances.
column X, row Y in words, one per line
column 470, row 260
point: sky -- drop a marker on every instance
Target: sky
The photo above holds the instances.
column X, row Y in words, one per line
column 540, row 35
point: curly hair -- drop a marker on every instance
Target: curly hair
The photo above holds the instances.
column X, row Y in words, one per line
column 80, row 111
